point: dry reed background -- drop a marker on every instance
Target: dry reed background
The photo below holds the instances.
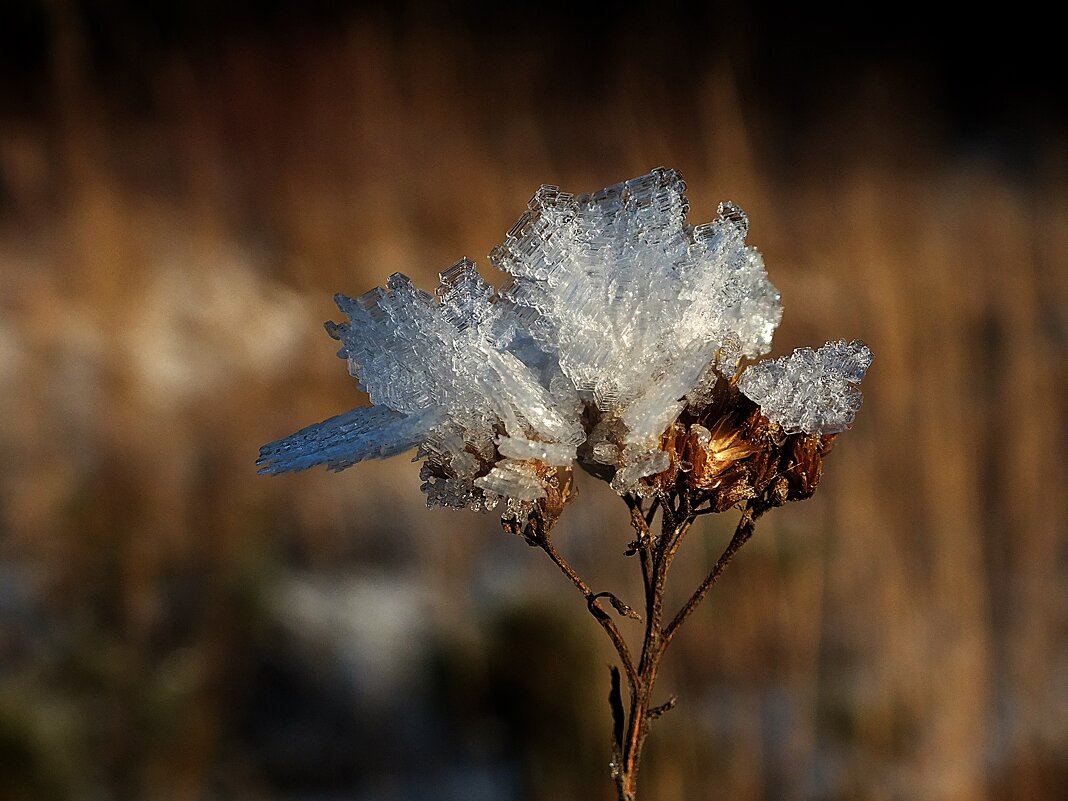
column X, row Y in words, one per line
column 173, row 626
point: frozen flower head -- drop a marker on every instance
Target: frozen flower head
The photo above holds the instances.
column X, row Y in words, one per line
column 618, row 344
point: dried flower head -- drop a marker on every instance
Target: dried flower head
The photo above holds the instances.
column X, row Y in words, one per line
column 619, row 343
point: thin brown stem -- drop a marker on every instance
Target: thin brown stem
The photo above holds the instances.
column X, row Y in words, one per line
column 599, row 613
column 660, row 554
column 708, row 510
column 741, row 534
column 640, row 522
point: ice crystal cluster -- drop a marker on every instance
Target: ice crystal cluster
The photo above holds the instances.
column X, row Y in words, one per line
column 618, row 316
column 813, row 391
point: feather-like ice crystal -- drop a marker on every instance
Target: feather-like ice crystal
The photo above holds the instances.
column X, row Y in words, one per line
column 618, row 316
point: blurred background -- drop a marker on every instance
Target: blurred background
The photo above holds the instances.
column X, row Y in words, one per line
column 184, row 185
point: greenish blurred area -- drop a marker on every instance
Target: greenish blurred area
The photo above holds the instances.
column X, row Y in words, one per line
column 183, row 186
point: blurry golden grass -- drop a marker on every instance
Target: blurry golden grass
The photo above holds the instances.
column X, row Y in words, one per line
column 902, row 635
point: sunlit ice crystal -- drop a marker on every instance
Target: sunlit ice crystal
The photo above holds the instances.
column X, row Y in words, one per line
column 411, row 351
column 813, row 391
column 447, row 373
column 560, row 455
column 512, row 478
column 628, row 294
column 618, row 316
column 635, row 303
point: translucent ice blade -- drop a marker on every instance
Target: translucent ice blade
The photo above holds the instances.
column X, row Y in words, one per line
column 513, row 479
column 550, row 453
column 658, row 406
column 369, row 432
column 534, row 402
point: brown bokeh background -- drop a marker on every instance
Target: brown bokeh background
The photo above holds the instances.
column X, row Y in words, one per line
column 183, row 186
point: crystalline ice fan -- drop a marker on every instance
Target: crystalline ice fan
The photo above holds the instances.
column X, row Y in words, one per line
column 619, row 315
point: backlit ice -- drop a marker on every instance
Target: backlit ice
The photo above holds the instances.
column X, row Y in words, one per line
column 618, row 314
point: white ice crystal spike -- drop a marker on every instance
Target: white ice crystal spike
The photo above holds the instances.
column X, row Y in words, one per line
column 528, row 399
column 810, row 391
column 369, row 432
column 657, row 407
column 733, row 215
column 549, row 453
column 464, row 295
column 513, row 479
column 638, row 466
column 849, row 360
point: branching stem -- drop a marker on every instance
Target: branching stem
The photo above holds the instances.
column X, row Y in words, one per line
column 594, row 605
column 656, row 554
column 741, row 534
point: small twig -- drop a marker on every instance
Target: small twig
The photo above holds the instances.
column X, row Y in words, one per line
column 668, row 513
column 667, row 706
column 640, row 523
column 685, row 505
column 623, row 609
column 708, row 510
column 600, row 615
column 675, row 540
column 615, row 701
column 742, row 533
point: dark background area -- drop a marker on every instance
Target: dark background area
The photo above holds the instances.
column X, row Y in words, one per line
column 987, row 74
column 183, row 186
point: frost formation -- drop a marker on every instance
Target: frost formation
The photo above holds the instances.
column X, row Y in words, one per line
column 813, row 391
column 618, row 315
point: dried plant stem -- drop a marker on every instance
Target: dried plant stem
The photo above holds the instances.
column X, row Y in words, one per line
column 741, row 534
column 594, row 605
column 655, row 553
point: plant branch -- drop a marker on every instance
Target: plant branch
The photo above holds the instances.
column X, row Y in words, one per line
column 545, row 543
column 640, row 522
column 659, row 554
column 656, row 554
column 741, row 534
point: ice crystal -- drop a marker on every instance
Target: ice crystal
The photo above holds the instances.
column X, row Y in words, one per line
column 813, row 391
column 367, row 432
column 618, row 316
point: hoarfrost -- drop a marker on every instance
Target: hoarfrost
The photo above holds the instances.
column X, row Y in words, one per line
column 618, row 315
column 374, row 432
column 810, row 391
